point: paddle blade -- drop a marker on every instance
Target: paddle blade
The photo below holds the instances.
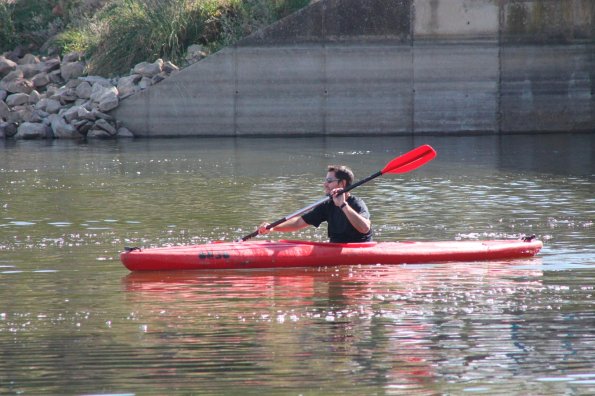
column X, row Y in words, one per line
column 410, row 160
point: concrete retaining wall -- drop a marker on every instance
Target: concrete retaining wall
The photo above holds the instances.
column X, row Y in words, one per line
column 341, row 67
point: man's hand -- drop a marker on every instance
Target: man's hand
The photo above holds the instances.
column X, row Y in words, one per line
column 263, row 230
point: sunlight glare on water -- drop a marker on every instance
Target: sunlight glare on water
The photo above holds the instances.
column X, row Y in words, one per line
column 73, row 320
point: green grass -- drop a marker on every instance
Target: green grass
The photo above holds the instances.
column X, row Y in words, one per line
column 117, row 34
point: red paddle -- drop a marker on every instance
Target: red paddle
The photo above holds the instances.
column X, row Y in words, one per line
column 404, row 163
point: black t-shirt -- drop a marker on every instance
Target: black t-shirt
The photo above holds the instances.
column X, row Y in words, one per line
column 340, row 229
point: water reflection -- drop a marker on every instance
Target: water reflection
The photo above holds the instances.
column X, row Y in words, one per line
column 404, row 328
column 74, row 321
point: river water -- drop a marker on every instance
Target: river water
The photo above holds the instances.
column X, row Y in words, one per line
column 73, row 320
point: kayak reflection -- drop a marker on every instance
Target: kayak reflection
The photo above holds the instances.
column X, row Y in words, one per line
column 343, row 315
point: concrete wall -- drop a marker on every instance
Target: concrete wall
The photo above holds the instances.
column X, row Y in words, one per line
column 341, row 67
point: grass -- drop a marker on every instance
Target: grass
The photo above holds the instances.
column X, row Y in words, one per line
column 117, row 34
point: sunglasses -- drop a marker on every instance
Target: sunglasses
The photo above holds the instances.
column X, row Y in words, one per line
column 330, row 180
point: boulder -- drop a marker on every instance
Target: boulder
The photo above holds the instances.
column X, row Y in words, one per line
column 65, row 95
column 128, row 85
column 40, row 80
column 16, row 83
column 83, row 126
column 6, row 66
column 29, row 59
column 92, row 80
column 72, row 113
column 148, row 69
column 4, row 110
column 72, row 57
column 72, row 70
column 61, row 129
column 98, row 134
column 49, row 65
column 29, row 70
column 8, row 129
column 31, row 130
column 169, row 67
column 56, row 77
column 52, row 106
column 106, row 126
column 84, row 114
column 145, row 83
column 195, row 52
column 34, row 97
column 83, row 90
column 106, row 99
column 17, row 99
column 25, row 113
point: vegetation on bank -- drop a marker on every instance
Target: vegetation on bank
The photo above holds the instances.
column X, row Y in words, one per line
column 115, row 35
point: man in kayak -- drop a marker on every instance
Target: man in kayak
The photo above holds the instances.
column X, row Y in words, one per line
column 347, row 216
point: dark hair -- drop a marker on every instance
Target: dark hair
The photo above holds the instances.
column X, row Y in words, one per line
column 342, row 173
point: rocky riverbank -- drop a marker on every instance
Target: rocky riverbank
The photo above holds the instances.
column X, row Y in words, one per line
column 52, row 98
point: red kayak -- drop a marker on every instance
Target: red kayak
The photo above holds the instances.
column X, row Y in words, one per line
column 285, row 253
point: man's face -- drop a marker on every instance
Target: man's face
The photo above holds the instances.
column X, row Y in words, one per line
column 331, row 182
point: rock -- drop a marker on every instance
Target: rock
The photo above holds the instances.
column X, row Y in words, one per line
column 17, row 99
column 28, row 59
column 65, row 95
column 6, row 66
column 194, row 53
column 169, row 67
column 15, row 83
column 49, row 65
column 34, row 97
column 145, row 83
column 128, row 85
column 16, row 54
column 56, row 77
column 98, row 134
column 19, row 86
column 72, row 57
column 99, row 114
column 40, row 80
column 106, row 126
column 72, row 113
column 83, row 126
column 45, row 91
column 105, row 98
column 84, row 114
column 83, row 90
column 72, row 70
column 61, row 129
column 52, row 106
column 26, row 114
column 149, row 69
column 8, row 129
column 4, row 110
column 92, row 80
column 31, row 130
column 29, row 70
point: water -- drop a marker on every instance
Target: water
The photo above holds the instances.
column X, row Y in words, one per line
column 73, row 320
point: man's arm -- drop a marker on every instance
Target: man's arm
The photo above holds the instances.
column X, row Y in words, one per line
column 359, row 222
column 294, row 224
